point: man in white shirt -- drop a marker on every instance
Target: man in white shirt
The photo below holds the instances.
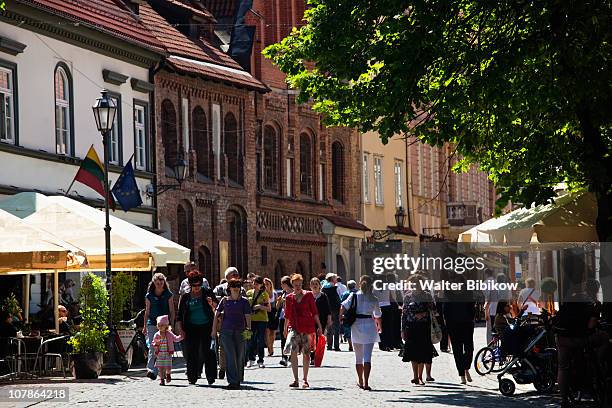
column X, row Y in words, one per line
column 185, row 287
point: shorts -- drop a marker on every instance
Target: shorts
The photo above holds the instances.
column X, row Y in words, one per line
column 299, row 342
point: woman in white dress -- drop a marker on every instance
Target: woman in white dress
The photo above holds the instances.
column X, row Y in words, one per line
column 365, row 331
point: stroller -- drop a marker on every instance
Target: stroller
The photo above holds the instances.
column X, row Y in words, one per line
column 534, row 360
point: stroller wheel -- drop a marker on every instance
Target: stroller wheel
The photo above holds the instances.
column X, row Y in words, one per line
column 544, row 384
column 506, row 387
column 484, row 361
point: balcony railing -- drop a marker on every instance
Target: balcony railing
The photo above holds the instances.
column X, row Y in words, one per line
column 465, row 213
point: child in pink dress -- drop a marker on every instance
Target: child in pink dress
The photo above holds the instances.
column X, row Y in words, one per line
column 163, row 343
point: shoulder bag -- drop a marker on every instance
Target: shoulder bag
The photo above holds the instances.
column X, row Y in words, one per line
column 350, row 314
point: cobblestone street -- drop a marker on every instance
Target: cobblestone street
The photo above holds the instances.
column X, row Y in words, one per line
column 331, row 385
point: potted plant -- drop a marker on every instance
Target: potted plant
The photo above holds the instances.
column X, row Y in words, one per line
column 12, row 307
column 124, row 287
column 88, row 343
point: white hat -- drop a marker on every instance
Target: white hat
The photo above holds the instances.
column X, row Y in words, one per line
column 230, row 271
column 330, row 275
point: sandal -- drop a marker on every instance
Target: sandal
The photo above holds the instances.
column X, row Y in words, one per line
column 367, row 388
column 305, row 385
column 294, row 384
column 360, row 386
column 430, row 379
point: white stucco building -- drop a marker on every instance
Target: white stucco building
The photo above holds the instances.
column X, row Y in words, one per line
column 55, row 58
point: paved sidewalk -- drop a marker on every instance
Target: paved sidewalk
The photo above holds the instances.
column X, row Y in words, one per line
column 333, row 385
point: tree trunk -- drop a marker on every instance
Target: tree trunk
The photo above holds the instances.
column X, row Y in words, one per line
column 598, row 168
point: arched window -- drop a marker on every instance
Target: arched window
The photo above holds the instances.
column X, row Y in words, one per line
column 305, row 165
column 184, row 217
column 270, row 158
column 169, row 135
column 202, row 142
column 237, row 228
column 338, row 171
column 63, row 111
column 233, row 150
column 205, row 266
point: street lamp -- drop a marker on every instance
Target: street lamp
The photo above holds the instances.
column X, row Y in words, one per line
column 104, row 111
column 400, row 216
column 180, row 172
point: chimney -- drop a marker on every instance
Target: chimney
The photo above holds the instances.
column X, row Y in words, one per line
column 135, row 5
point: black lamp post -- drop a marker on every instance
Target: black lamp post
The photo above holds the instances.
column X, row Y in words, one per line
column 104, row 112
column 180, row 172
column 400, row 218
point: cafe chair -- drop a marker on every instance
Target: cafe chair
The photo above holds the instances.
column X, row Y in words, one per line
column 59, row 354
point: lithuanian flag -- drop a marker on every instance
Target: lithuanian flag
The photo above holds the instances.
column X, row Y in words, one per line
column 91, row 173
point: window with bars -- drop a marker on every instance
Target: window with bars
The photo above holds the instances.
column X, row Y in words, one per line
column 7, row 105
column 141, row 156
column 63, row 108
column 378, row 180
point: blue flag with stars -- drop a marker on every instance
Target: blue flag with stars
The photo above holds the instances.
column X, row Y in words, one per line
column 126, row 190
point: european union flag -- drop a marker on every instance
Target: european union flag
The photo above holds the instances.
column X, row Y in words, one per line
column 126, row 190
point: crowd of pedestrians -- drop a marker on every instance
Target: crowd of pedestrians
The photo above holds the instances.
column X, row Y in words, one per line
column 233, row 326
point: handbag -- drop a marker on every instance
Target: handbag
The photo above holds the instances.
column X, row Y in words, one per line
column 436, row 331
column 350, row 314
column 220, row 315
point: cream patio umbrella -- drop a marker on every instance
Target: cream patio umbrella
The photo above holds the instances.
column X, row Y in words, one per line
column 25, row 250
column 82, row 230
column 570, row 218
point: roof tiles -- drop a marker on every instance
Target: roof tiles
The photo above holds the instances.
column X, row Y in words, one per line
column 103, row 15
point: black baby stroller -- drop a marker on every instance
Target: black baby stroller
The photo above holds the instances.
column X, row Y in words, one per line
column 534, row 360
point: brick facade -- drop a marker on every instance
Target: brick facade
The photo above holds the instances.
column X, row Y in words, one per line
column 211, row 200
column 287, row 244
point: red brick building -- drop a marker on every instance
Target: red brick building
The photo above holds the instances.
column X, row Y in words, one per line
column 205, row 118
column 307, row 176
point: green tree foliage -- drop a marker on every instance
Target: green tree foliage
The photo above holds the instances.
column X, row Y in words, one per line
column 522, row 88
column 124, row 286
column 94, row 311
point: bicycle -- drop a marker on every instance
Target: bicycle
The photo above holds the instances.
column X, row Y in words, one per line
column 137, row 344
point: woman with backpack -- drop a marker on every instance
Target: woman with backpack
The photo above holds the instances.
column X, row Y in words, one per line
column 364, row 308
column 260, row 306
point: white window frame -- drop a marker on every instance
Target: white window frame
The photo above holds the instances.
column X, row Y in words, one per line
column 7, row 135
column 62, row 114
column 366, row 177
column 378, row 181
column 141, row 160
column 114, row 141
column 399, row 187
